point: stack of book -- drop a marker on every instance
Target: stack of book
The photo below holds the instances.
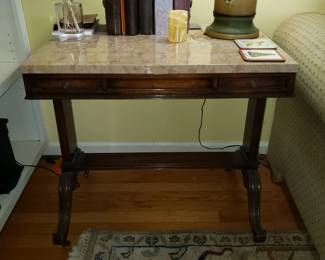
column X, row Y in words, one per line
column 131, row 17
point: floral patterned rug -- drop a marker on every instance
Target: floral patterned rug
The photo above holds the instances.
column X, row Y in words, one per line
column 106, row 245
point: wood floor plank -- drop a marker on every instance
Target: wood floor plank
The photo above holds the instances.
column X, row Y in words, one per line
column 140, row 200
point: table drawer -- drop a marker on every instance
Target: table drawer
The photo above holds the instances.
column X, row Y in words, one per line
column 253, row 84
column 116, row 86
column 158, row 84
column 67, row 86
column 40, row 86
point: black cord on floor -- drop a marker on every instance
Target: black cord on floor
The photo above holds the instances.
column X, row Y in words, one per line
column 265, row 165
column 200, row 130
column 262, row 159
column 37, row 166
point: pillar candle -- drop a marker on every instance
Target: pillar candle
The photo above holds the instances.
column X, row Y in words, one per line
column 177, row 25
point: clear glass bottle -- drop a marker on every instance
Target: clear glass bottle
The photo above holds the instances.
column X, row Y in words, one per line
column 69, row 17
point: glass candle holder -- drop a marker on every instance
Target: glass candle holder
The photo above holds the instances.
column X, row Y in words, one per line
column 69, row 17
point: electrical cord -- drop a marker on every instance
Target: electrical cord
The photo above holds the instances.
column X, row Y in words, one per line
column 262, row 158
column 36, row 166
column 200, row 130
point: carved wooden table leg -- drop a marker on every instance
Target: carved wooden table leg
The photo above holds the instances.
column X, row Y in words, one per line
column 66, row 186
column 254, row 203
column 250, row 151
column 68, row 143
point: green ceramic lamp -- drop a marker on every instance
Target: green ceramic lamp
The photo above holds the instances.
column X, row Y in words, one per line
column 233, row 19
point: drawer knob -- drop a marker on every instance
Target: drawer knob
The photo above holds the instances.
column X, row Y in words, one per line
column 66, row 85
column 253, row 83
column 215, row 83
column 105, row 85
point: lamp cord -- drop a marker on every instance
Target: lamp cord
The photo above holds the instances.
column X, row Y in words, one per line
column 200, row 131
column 37, row 166
column 262, row 158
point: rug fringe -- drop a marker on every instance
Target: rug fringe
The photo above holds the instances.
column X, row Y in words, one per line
column 78, row 252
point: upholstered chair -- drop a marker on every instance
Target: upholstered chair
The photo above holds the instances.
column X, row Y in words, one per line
column 297, row 144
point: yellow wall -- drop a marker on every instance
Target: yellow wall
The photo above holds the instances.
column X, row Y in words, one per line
column 160, row 120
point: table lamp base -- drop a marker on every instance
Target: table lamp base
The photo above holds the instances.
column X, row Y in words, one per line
column 232, row 27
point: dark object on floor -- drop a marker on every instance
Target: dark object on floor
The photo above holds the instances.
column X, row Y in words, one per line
column 9, row 170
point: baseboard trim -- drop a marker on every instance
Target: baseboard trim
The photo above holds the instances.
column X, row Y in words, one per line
column 137, row 147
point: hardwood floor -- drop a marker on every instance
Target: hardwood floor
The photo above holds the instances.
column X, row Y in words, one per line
column 140, row 200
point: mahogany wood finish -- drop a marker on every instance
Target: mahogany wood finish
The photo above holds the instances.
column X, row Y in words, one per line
column 66, row 186
column 253, row 128
column 66, row 128
column 72, row 86
column 253, row 186
column 64, row 87
column 71, row 156
column 249, row 150
column 226, row 160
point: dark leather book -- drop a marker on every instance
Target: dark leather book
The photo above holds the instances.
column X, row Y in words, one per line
column 146, row 17
column 182, row 5
column 123, row 16
column 113, row 16
column 131, row 17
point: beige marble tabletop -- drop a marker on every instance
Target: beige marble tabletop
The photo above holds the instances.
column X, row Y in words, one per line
column 143, row 54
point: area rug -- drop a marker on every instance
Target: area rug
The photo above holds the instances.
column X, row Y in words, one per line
column 106, row 245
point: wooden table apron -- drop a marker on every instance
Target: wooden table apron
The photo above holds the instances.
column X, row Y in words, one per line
column 62, row 88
